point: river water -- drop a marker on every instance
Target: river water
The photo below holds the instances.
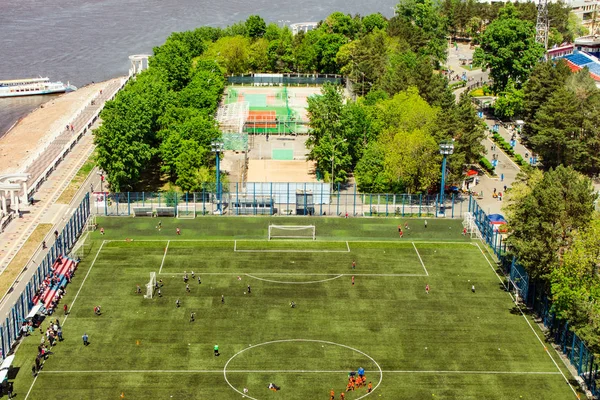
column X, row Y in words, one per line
column 90, row 40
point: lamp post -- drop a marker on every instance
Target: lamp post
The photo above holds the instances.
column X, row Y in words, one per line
column 332, row 158
column 218, row 147
column 446, row 149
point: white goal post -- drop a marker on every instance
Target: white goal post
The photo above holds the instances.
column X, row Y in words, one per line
column 150, row 286
column 292, row 232
column 470, row 225
column 186, row 211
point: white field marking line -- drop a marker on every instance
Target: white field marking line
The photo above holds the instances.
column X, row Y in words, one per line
column 67, row 316
column 235, row 249
column 291, row 251
column 291, row 274
column 309, row 341
column 264, row 240
column 420, row 259
column 164, row 256
column 532, row 329
column 293, row 283
column 291, row 371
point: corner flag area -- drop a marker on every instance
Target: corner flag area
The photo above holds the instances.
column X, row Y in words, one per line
column 235, row 315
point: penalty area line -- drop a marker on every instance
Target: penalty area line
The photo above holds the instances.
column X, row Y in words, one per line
column 420, row 259
column 164, row 256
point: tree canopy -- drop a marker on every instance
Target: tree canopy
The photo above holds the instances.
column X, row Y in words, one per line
column 508, row 48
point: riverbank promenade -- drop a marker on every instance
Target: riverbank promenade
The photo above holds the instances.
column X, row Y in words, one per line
column 58, row 159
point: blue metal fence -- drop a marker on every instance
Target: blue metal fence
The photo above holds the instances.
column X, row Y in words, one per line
column 278, row 198
column 9, row 329
column 580, row 356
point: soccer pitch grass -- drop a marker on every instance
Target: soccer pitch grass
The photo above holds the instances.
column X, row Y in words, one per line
column 448, row 344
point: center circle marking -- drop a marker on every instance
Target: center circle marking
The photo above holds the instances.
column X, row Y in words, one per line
column 302, row 340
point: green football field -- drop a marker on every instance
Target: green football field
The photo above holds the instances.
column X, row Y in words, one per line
column 448, row 344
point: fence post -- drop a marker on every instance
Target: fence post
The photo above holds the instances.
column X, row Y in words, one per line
column 2, row 342
column 354, row 198
column 452, row 205
column 128, row 204
column 338, row 200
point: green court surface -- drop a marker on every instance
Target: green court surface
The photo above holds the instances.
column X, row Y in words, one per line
column 282, row 154
column 448, row 344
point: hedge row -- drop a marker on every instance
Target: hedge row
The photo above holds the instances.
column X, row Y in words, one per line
column 487, row 165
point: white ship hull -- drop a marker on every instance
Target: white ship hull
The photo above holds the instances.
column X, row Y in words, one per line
column 33, row 87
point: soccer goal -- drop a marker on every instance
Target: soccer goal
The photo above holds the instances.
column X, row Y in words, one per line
column 82, row 247
column 90, row 224
column 150, row 286
column 470, row 225
column 292, row 232
column 186, row 211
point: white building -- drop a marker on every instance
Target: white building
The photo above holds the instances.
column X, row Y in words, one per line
column 303, row 26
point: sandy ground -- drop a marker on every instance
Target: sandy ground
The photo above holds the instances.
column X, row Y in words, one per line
column 281, row 171
column 40, row 127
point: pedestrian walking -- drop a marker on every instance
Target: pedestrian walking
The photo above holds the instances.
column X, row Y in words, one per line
column 187, row 288
column 178, row 231
column 59, row 333
column 216, row 348
column 192, row 317
column 222, row 299
column 249, row 291
column 85, row 339
column 425, row 224
column 354, row 264
column 473, row 288
column 65, row 308
column 427, row 288
column 177, row 303
column 199, row 281
column 501, row 177
column 352, row 280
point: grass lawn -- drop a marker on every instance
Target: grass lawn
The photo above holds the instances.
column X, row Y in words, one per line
column 448, row 344
column 15, row 267
column 67, row 195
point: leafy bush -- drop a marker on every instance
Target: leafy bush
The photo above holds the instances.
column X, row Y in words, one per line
column 485, row 164
column 519, row 160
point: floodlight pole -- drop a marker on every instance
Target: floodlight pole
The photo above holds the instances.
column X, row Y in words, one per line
column 446, row 149
column 217, row 148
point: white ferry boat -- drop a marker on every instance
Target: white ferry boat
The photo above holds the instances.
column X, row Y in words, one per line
column 30, row 87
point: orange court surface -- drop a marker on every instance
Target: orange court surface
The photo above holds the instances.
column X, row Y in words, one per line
column 281, row 171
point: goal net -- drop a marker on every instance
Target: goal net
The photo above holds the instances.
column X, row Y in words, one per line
column 82, row 247
column 186, row 211
column 292, row 232
column 470, row 225
column 150, row 286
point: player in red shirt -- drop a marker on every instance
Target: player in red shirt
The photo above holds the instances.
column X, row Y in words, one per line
column 178, row 231
column 427, row 289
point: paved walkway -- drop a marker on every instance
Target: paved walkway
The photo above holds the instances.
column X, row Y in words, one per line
column 45, row 209
column 506, row 169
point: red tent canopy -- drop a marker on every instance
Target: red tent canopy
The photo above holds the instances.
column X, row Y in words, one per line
column 472, row 172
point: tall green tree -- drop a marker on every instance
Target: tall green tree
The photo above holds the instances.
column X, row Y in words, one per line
column 426, row 17
column 576, row 286
column 508, row 48
column 174, row 60
column 544, row 217
column 126, row 141
column 255, row 26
